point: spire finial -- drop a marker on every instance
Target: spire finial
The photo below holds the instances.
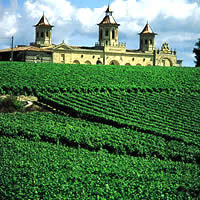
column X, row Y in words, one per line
column 109, row 4
column 108, row 10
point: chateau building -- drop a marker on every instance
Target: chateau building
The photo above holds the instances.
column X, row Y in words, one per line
column 107, row 51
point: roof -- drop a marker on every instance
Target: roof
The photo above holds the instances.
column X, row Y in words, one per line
column 147, row 29
column 43, row 21
column 26, row 48
column 108, row 19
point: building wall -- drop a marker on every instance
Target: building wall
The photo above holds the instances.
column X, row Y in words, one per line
column 43, row 36
column 166, row 59
column 112, row 34
column 78, row 56
column 108, row 56
column 147, row 42
column 35, row 56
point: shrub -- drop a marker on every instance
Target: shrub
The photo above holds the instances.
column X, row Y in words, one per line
column 11, row 104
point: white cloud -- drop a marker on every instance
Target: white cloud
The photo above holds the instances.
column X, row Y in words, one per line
column 8, row 20
column 8, row 25
column 58, row 12
column 88, row 18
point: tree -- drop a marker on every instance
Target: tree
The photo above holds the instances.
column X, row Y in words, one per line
column 196, row 51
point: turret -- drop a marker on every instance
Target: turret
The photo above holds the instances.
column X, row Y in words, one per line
column 147, row 39
column 108, row 30
column 43, row 32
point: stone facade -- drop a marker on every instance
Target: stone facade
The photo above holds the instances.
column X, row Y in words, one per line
column 107, row 51
column 113, row 55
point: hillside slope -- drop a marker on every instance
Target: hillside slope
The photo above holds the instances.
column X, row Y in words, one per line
column 116, row 132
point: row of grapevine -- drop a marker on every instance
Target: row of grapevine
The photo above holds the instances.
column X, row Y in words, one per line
column 95, row 136
column 140, row 112
column 38, row 170
column 32, row 78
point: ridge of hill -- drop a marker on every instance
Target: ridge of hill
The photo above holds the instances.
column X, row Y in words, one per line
column 31, row 78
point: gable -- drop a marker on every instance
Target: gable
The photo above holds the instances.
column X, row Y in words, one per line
column 62, row 46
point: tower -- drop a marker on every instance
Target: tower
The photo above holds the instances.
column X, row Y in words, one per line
column 147, row 39
column 108, row 30
column 43, row 32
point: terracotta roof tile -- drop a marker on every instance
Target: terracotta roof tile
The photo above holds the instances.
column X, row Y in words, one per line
column 26, row 48
column 108, row 20
column 147, row 29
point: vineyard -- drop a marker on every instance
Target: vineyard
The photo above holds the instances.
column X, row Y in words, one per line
column 111, row 132
column 31, row 78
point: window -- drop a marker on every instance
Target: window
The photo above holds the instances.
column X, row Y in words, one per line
column 81, row 56
column 146, row 41
column 62, row 58
column 151, row 42
column 101, row 35
column 42, row 34
column 93, row 57
column 144, row 60
column 106, row 42
column 99, row 62
column 133, row 59
column 113, row 34
column 37, row 34
column 47, row 34
column 106, row 34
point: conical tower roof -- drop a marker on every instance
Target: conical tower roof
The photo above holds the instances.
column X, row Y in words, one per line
column 147, row 30
column 108, row 19
column 43, row 21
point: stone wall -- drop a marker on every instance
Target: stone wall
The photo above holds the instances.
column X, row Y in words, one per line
column 106, row 56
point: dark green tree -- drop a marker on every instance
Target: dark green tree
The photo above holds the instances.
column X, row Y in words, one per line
column 196, row 51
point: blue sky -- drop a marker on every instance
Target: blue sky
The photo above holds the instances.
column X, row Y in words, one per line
column 77, row 3
column 75, row 21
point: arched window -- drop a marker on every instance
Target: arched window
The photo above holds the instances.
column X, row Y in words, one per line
column 113, row 34
column 106, row 42
column 99, row 62
column 47, row 34
column 151, row 42
column 42, row 34
column 146, row 41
